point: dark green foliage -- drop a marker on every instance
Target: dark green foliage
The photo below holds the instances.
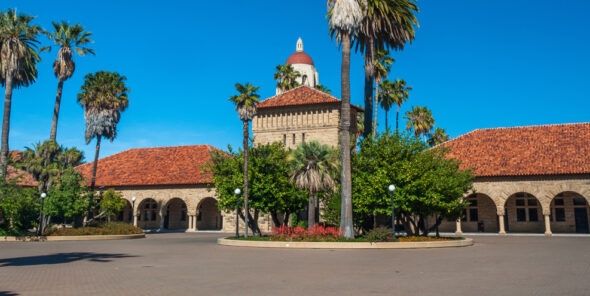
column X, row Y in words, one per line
column 380, row 235
column 69, row 198
column 109, row 228
column 19, row 207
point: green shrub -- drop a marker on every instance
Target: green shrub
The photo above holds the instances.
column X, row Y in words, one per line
column 108, row 228
column 380, row 235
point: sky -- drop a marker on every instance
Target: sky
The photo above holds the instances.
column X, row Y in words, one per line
column 475, row 64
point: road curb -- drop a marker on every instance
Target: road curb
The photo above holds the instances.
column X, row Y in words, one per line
column 345, row 245
column 69, row 238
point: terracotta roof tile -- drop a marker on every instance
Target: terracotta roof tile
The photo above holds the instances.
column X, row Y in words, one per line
column 176, row 165
column 22, row 178
column 302, row 95
column 531, row 150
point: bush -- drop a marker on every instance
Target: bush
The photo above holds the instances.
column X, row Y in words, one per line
column 108, row 228
column 380, row 235
column 316, row 233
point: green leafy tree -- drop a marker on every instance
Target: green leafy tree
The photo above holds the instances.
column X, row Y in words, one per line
column 427, row 182
column 382, row 66
column 18, row 64
column 286, row 77
column 103, row 97
column 272, row 191
column 69, row 39
column 69, row 198
column 420, row 120
column 111, row 203
column 439, row 136
column 313, row 167
column 345, row 17
column 323, row 88
column 19, row 207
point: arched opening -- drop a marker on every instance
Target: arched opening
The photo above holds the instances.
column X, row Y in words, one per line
column 149, row 217
column 523, row 213
column 126, row 214
column 569, row 213
column 176, row 217
column 480, row 215
column 208, row 215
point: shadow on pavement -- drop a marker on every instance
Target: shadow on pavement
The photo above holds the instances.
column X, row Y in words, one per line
column 58, row 259
column 6, row 293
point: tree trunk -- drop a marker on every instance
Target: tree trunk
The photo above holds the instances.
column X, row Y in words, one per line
column 369, row 77
column 53, row 134
column 346, row 198
column 397, row 121
column 311, row 211
column 245, row 128
column 6, row 124
column 374, row 220
column 94, row 165
column 386, row 112
column 376, row 107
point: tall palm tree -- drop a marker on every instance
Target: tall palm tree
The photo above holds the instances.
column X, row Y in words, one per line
column 345, row 17
column 323, row 88
column 386, row 24
column 103, row 97
column 18, row 64
column 313, row 167
column 245, row 103
column 420, row 120
column 402, row 93
column 286, row 77
column 69, row 39
column 437, row 137
column 382, row 65
column 387, row 98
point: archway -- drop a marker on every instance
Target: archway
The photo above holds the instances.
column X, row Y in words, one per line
column 126, row 214
column 569, row 213
column 208, row 215
column 480, row 215
column 175, row 217
column 523, row 213
column 149, row 217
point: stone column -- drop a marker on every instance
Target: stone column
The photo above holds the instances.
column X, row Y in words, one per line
column 458, row 231
column 501, row 222
column 547, row 225
column 135, row 218
column 161, row 219
column 194, row 222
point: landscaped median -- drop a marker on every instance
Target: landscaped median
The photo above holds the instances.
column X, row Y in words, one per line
column 455, row 242
column 105, row 231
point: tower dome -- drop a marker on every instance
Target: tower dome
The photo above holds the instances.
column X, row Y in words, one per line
column 303, row 64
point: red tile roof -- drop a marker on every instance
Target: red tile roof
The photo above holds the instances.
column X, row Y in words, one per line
column 530, row 150
column 299, row 58
column 176, row 165
column 22, row 178
column 302, row 95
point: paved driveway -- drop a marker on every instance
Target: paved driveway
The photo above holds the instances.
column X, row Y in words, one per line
column 192, row 264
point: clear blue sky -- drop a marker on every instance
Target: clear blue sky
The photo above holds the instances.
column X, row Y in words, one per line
column 475, row 64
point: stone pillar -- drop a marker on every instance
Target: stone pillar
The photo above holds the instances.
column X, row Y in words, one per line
column 458, row 231
column 194, row 222
column 501, row 222
column 161, row 220
column 135, row 218
column 547, row 225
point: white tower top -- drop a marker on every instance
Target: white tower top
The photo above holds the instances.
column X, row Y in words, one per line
column 299, row 47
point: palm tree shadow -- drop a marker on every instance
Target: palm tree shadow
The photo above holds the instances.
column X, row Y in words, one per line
column 8, row 293
column 59, row 258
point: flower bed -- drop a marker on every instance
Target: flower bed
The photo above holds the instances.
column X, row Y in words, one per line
column 112, row 228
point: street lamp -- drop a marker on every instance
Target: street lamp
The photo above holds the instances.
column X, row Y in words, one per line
column 42, row 215
column 133, row 210
column 391, row 189
column 237, row 192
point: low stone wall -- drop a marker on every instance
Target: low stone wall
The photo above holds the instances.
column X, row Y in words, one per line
column 345, row 245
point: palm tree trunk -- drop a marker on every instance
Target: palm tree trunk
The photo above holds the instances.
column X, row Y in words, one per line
column 53, row 134
column 377, row 81
column 386, row 126
column 346, row 197
column 369, row 77
column 6, row 124
column 397, row 120
column 311, row 211
column 94, row 165
column 245, row 128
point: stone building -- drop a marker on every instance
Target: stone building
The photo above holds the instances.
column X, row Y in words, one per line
column 528, row 179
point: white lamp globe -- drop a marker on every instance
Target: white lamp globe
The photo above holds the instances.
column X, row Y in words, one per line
column 391, row 187
column 43, row 195
column 237, row 191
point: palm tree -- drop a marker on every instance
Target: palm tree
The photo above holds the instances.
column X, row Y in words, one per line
column 402, row 93
column 69, row 39
column 439, row 136
column 313, row 167
column 385, row 24
column 322, row 88
column 388, row 98
column 345, row 16
column 245, row 103
column 103, row 96
column 382, row 65
column 18, row 64
column 420, row 120
column 286, row 77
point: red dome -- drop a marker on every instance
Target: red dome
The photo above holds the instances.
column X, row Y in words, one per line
column 300, row 58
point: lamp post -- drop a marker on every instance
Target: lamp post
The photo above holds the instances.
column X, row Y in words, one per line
column 42, row 214
column 391, row 189
column 133, row 210
column 237, row 192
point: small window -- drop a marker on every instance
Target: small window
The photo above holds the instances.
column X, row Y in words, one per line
column 520, row 202
column 560, row 214
column 285, row 139
column 302, row 137
column 578, row 201
column 521, row 215
column 473, row 202
column 559, row 202
column 533, row 215
column 520, row 194
column 293, row 139
column 532, row 202
column 153, row 216
column 473, row 215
